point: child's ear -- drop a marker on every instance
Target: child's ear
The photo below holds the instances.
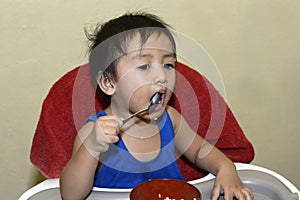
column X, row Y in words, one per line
column 106, row 84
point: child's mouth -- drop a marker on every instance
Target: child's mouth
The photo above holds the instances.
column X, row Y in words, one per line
column 157, row 103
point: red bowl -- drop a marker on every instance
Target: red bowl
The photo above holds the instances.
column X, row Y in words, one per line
column 165, row 189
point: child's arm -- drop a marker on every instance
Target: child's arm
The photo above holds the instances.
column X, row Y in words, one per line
column 76, row 180
column 209, row 158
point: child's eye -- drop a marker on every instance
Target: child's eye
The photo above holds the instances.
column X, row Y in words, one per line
column 144, row 67
column 169, row 66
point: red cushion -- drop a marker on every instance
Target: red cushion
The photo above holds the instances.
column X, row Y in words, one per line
column 73, row 98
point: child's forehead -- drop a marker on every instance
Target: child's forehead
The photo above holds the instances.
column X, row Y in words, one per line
column 150, row 54
column 156, row 41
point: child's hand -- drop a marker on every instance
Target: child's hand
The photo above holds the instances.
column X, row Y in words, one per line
column 228, row 183
column 104, row 132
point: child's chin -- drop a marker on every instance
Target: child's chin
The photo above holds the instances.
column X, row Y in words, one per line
column 157, row 114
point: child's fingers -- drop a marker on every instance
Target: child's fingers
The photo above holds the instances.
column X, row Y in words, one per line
column 228, row 195
column 107, row 129
column 119, row 121
column 242, row 194
column 111, row 120
column 107, row 134
column 111, row 138
column 248, row 193
column 110, row 130
column 239, row 195
column 215, row 193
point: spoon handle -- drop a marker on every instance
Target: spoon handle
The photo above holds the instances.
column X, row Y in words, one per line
column 133, row 115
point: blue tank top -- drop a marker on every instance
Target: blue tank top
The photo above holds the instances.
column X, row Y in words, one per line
column 121, row 170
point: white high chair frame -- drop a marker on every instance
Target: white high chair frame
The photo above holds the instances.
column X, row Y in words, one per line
column 53, row 184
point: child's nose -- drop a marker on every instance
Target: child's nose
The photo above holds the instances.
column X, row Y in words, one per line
column 160, row 74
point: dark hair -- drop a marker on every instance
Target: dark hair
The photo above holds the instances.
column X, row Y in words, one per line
column 109, row 40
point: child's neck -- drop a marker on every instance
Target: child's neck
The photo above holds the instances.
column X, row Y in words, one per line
column 141, row 137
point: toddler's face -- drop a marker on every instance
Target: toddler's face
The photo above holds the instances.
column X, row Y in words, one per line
column 142, row 72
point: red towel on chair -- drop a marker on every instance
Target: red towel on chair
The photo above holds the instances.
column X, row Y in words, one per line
column 73, row 98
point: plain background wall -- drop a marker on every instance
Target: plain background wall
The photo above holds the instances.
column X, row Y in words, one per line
column 255, row 44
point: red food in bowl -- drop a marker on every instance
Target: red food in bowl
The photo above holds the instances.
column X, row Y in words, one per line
column 165, row 189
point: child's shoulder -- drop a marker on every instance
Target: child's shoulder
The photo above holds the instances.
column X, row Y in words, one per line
column 174, row 114
column 171, row 110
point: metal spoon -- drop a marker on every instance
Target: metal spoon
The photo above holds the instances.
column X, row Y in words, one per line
column 154, row 101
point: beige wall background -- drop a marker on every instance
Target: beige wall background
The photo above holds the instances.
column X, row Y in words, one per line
column 255, row 44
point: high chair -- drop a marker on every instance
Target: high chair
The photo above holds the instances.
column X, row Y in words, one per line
column 73, row 98
column 264, row 183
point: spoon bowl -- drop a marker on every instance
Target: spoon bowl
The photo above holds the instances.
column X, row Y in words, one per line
column 153, row 102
